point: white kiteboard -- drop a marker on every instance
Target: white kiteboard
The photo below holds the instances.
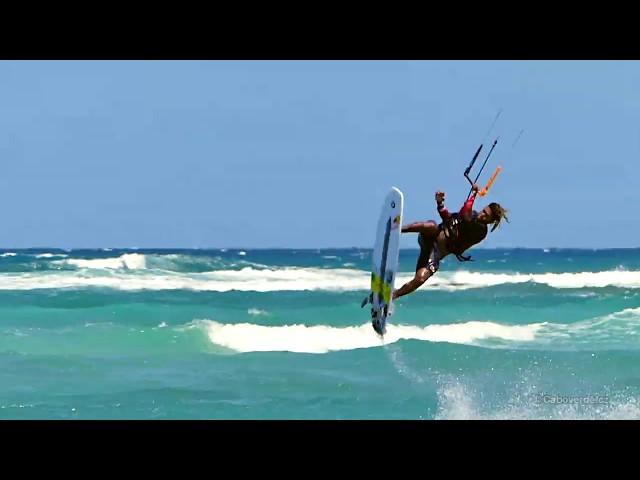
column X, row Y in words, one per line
column 385, row 260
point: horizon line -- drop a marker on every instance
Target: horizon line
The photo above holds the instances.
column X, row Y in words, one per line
column 8, row 249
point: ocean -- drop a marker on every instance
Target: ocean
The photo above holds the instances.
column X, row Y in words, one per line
column 279, row 334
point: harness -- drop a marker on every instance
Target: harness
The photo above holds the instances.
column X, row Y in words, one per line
column 451, row 229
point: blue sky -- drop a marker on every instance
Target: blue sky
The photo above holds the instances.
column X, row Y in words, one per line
column 301, row 153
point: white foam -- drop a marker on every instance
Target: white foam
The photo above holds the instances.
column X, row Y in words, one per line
column 460, row 280
column 614, row 329
column 51, row 255
column 247, row 337
column 129, row 261
column 129, row 272
column 256, row 311
column 582, row 294
column 254, row 264
column 455, row 403
column 458, row 401
column 286, row 278
column 242, row 253
column 8, row 254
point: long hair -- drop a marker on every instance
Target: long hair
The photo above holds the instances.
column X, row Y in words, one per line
column 498, row 213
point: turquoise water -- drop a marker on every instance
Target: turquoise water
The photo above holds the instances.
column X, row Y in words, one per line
column 279, row 334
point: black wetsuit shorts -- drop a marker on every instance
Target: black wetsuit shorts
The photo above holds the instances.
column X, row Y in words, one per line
column 429, row 254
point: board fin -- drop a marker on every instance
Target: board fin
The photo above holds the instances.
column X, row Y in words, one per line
column 367, row 299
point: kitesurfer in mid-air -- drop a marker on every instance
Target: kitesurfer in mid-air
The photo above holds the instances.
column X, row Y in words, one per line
column 454, row 235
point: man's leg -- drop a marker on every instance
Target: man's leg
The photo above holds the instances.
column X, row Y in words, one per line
column 428, row 229
column 422, row 275
column 428, row 263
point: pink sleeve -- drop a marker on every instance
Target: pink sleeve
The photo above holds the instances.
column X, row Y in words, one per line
column 468, row 205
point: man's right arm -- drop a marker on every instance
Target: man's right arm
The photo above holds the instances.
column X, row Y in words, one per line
column 442, row 210
column 466, row 209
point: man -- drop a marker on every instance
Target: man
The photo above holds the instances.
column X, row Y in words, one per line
column 457, row 233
